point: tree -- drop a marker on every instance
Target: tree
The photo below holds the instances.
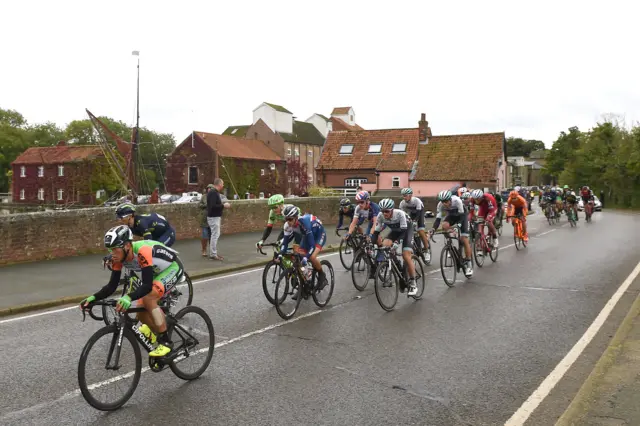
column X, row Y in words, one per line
column 518, row 147
column 297, row 171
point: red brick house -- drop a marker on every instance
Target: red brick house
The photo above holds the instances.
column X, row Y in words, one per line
column 55, row 175
column 249, row 164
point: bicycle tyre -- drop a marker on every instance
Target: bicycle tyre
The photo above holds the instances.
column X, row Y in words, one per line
column 344, row 246
column 187, row 280
column 212, row 343
column 282, row 291
column 332, row 283
column 443, row 257
column 479, row 259
column 82, row 380
column 383, row 270
column 420, row 278
column 265, row 275
column 361, row 256
column 493, row 254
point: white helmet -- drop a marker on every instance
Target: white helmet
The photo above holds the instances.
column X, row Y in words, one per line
column 465, row 195
column 477, row 193
column 444, row 195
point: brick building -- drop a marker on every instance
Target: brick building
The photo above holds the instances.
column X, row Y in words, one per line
column 60, row 174
column 249, row 164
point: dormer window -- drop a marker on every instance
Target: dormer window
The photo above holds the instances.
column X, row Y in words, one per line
column 346, row 149
column 375, row 148
column 399, row 147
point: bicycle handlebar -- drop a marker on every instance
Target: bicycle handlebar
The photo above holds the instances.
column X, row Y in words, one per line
column 259, row 249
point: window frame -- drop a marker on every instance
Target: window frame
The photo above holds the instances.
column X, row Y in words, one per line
column 189, row 175
column 349, row 145
column 379, row 151
column 404, row 149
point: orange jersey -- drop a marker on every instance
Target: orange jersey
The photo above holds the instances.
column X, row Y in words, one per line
column 518, row 202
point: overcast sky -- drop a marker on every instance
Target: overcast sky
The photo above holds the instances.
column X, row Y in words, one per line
column 471, row 66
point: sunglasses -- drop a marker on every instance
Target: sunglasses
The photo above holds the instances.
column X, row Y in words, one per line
column 291, row 219
column 361, row 202
column 387, row 211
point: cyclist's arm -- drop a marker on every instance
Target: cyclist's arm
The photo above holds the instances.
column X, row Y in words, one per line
column 111, row 286
column 340, row 218
column 311, row 241
column 287, row 233
column 354, row 222
column 436, row 223
column 145, row 260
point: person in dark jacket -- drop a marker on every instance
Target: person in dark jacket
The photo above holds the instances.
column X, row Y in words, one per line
column 215, row 206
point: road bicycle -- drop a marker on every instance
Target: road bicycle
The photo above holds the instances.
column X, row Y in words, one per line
column 273, row 270
column 518, row 233
column 392, row 275
column 480, row 243
column 451, row 255
column 349, row 247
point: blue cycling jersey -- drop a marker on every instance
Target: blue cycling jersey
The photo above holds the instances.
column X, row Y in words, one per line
column 310, row 227
column 150, row 226
column 367, row 214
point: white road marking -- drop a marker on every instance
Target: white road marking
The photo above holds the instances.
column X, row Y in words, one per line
column 523, row 413
column 544, row 233
column 39, row 314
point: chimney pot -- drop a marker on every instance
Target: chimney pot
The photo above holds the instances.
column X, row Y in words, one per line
column 423, row 117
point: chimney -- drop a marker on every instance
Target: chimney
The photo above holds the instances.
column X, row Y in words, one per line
column 62, row 143
column 424, row 131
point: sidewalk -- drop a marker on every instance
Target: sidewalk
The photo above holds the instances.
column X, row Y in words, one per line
column 611, row 393
column 55, row 282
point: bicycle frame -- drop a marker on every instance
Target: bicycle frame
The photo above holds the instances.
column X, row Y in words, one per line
column 391, row 257
column 456, row 251
column 478, row 226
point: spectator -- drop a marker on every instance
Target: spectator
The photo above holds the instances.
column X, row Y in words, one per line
column 204, row 224
column 215, row 206
column 155, row 197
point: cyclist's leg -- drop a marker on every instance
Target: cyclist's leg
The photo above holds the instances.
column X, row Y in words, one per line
column 168, row 238
column 320, row 237
column 407, row 251
column 464, row 235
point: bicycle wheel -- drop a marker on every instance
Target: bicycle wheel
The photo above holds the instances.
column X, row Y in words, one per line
column 270, row 275
column 420, row 278
column 448, row 261
column 87, row 387
column 386, row 282
column 193, row 326
column 322, row 297
column 478, row 250
column 493, row 254
column 288, row 286
column 346, row 254
column 361, row 270
column 181, row 295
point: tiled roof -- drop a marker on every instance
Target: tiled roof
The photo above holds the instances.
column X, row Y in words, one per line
column 304, row 132
column 233, row 147
column 341, row 125
column 360, row 158
column 58, row 154
column 340, row 110
column 460, row 157
column 239, row 132
column 279, row 108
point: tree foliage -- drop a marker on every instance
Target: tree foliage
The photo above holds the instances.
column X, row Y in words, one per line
column 606, row 158
column 518, row 147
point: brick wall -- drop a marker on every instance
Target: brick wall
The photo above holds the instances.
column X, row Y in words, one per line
column 75, row 183
column 45, row 235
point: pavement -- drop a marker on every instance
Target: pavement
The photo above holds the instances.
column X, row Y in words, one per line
column 472, row 354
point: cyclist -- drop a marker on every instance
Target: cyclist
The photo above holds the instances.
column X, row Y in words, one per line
column 547, row 196
column 517, row 205
column 488, row 209
column 455, row 213
column 559, row 200
column 414, row 207
column 276, row 206
column 346, row 209
column 150, row 226
column 500, row 203
column 571, row 201
column 365, row 210
column 587, row 199
column 399, row 222
column 159, row 266
column 313, row 236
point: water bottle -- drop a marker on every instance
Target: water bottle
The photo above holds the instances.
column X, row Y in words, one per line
column 308, row 272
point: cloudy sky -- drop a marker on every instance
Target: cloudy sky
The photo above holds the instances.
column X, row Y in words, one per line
column 471, row 66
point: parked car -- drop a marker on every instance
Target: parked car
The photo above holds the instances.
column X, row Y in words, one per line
column 168, row 198
column 189, row 197
column 597, row 205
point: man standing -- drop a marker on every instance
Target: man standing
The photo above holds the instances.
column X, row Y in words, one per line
column 215, row 206
column 204, row 222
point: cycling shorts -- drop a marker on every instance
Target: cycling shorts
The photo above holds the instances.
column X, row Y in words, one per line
column 462, row 219
column 406, row 235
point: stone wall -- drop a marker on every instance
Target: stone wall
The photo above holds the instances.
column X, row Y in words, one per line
column 37, row 236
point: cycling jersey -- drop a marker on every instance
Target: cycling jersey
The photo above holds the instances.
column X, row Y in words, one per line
column 349, row 213
column 153, row 226
column 488, row 207
column 275, row 218
column 455, row 213
column 311, row 230
column 517, row 206
column 158, row 264
column 587, row 195
column 415, row 208
column 570, row 197
column 400, row 225
column 367, row 214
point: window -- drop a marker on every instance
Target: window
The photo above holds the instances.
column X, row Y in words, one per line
column 272, row 166
column 296, row 179
column 310, row 153
column 288, row 178
column 22, row 194
column 399, row 147
column 41, row 194
column 354, row 182
column 261, row 172
column 346, row 149
column 60, row 192
column 289, row 151
column 375, row 148
column 60, row 170
column 351, row 118
column 23, row 171
column 310, row 178
column 233, row 131
column 193, row 175
column 296, row 152
column 40, row 171
column 395, row 182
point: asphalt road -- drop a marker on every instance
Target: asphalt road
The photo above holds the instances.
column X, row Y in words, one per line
column 471, row 354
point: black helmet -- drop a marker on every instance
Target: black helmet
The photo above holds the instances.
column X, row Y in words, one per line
column 125, row 209
column 290, row 211
column 117, row 236
column 345, row 202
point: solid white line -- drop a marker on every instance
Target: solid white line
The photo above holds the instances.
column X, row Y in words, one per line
column 523, row 413
column 544, row 233
column 38, row 314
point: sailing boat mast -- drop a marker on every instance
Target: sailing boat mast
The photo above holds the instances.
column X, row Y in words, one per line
column 135, row 140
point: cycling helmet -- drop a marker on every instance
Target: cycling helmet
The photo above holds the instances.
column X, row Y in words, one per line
column 117, row 236
column 477, row 193
column 406, row 191
column 463, row 190
column 517, row 188
column 444, row 195
column 290, row 211
column 362, row 196
column 345, row 202
column 275, row 200
column 566, row 187
column 124, row 210
column 466, row 196
column 386, row 204
column 585, row 188
column 513, row 194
